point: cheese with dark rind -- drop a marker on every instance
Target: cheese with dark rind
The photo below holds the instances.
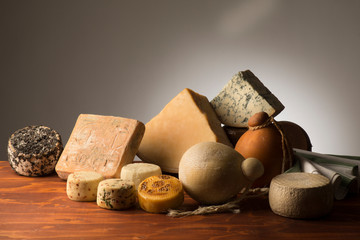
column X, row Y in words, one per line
column 301, row 195
column 234, row 133
column 185, row 121
column 34, row 150
column 103, row 144
column 82, row 186
column 116, row 194
column 243, row 96
column 296, row 135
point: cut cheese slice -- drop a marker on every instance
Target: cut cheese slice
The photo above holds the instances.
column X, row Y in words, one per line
column 82, row 186
column 185, row 121
column 243, row 96
column 137, row 172
column 116, row 194
column 157, row 194
column 301, row 195
column 103, row 144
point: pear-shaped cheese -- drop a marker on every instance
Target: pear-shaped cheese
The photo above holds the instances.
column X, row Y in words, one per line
column 186, row 120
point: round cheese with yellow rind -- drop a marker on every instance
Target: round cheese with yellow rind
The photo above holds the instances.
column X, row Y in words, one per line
column 157, row 194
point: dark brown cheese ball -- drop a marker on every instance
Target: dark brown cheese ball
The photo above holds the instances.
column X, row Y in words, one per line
column 34, row 150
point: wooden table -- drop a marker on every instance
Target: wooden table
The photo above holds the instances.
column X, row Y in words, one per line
column 38, row 208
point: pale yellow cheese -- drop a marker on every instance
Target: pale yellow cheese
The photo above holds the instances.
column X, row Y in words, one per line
column 301, row 195
column 186, row 120
column 116, row 194
column 82, row 186
column 137, row 172
column 158, row 194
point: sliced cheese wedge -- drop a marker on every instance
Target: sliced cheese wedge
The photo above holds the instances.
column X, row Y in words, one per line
column 116, row 194
column 82, row 186
column 186, row 120
column 157, row 194
column 243, row 96
column 137, row 172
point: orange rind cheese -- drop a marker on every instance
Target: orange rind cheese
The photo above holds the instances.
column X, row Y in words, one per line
column 157, row 194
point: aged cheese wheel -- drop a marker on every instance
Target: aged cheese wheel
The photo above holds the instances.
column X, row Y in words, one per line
column 34, row 150
column 82, row 186
column 137, row 172
column 116, row 194
column 234, row 133
column 157, row 194
column 212, row 173
column 301, row 195
column 296, row 135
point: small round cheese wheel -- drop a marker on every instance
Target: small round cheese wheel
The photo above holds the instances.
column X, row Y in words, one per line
column 137, row 172
column 82, row 186
column 157, row 194
column 34, row 150
column 301, row 195
column 116, row 194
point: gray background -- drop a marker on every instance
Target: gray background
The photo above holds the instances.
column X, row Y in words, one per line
column 129, row 58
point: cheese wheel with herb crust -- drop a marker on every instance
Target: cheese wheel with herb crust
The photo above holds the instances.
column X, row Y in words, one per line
column 34, row 150
column 116, row 194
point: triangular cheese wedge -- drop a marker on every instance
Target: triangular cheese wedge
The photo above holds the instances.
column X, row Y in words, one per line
column 243, row 96
column 185, row 121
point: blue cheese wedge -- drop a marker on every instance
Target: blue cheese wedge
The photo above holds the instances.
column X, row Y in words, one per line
column 243, row 96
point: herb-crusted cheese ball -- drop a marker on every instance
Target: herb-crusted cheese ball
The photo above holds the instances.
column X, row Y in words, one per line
column 116, row 194
column 34, row 150
column 243, row 96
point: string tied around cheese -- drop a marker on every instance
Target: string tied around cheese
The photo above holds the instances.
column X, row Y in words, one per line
column 231, row 206
column 286, row 148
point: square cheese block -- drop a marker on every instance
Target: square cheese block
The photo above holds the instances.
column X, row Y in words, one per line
column 243, row 96
column 185, row 121
column 103, row 144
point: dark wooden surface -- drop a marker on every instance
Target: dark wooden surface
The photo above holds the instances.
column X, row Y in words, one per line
column 38, row 208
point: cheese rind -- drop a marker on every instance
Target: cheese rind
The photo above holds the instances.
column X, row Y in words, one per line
column 243, row 96
column 185, row 121
column 137, row 172
column 34, row 150
column 301, row 195
column 157, row 194
column 116, row 194
column 103, row 144
column 82, row 186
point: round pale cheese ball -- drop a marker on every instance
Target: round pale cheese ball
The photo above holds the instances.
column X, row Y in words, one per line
column 212, row 173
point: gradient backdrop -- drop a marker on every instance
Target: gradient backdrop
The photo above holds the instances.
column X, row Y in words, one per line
column 129, row 58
